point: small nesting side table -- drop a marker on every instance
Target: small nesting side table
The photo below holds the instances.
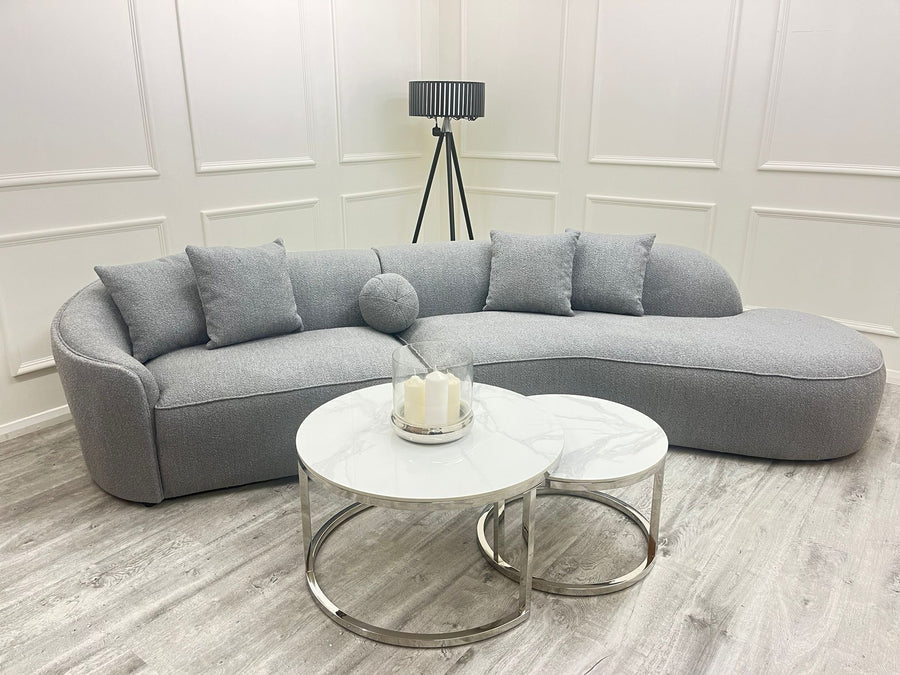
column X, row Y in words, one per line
column 608, row 445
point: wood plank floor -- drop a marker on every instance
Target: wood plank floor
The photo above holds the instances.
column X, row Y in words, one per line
column 764, row 567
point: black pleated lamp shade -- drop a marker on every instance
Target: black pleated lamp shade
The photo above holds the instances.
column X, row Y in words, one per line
column 446, row 98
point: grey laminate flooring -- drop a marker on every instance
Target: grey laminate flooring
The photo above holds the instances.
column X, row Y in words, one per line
column 765, row 566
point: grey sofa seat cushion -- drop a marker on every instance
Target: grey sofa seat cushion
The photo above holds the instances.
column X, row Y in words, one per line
column 233, row 421
column 450, row 277
column 280, row 363
column 769, row 383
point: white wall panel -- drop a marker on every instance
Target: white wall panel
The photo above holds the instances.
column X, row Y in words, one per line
column 833, row 100
column 295, row 222
column 377, row 50
column 41, row 270
column 246, row 84
column 380, row 217
column 662, row 81
column 836, row 264
column 523, row 77
column 674, row 222
column 526, row 211
column 74, row 105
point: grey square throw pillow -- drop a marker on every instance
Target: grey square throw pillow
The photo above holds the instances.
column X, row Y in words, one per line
column 531, row 273
column 608, row 272
column 246, row 292
column 160, row 304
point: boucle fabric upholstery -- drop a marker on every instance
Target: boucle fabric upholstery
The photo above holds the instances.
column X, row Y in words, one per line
column 771, row 383
column 159, row 301
column 327, row 285
column 246, row 292
column 242, row 405
column 608, row 272
column 531, row 272
column 111, row 395
column 389, row 303
column 449, row 277
column 768, row 383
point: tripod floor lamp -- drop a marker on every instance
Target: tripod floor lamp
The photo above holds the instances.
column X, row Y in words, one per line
column 449, row 100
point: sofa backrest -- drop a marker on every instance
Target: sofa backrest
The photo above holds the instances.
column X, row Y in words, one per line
column 449, row 277
column 327, row 285
column 683, row 281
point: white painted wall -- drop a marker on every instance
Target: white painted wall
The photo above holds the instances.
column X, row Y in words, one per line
column 763, row 132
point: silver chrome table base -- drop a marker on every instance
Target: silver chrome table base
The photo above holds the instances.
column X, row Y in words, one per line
column 585, row 490
column 312, row 544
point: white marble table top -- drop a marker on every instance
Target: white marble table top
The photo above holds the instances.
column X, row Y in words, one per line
column 349, row 442
column 604, row 440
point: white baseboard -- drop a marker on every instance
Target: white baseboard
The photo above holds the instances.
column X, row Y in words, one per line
column 34, row 422
column 893, row 376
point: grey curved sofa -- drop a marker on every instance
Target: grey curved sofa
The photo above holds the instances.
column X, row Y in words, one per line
column 765, row 383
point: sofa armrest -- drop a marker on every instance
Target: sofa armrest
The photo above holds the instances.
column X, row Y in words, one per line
column 111, row 395
column 683, row 281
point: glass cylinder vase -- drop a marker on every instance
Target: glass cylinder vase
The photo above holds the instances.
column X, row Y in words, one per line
column 432, row 391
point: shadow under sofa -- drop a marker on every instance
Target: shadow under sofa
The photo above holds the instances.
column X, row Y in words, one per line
column 765, row 383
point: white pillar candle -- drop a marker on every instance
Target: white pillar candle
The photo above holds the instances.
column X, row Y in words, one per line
column 414, row 400
column 452, row 398
column 435, row 399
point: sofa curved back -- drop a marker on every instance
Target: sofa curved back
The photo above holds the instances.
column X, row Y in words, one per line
column 683, row 281
column 453, row 278
column 327, row 285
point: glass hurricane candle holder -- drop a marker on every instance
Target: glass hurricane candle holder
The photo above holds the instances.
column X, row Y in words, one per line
column 432, row 391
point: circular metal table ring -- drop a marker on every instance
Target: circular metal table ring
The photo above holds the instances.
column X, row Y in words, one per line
column 608, row 445
column 572, row 588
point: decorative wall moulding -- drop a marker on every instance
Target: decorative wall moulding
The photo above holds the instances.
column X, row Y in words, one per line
column 72, row 175
column 684, row 162
column 812, row 167
column 213, row 166
column 706, row 208
column 347, row 155
column 18, row 363
column 355, row 158
column 78, row 175
column 414, row 192
column 526, row 156
column 765, row 163
column 542, row 195
column 721, row 125
column 759, row 212
column 254, row 164
column 209, row 217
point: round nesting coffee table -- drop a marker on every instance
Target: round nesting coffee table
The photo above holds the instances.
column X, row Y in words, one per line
column 349, row 447
column 608, row 445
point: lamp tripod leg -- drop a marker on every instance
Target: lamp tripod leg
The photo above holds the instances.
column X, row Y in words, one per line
column 449, row 135
column 437, row 154
column 462, row 192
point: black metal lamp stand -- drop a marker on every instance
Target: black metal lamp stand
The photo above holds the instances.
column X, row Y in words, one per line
column 452, row 159
column 448, row 100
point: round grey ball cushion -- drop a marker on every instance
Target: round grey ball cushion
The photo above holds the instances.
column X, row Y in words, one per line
column 389, row 303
